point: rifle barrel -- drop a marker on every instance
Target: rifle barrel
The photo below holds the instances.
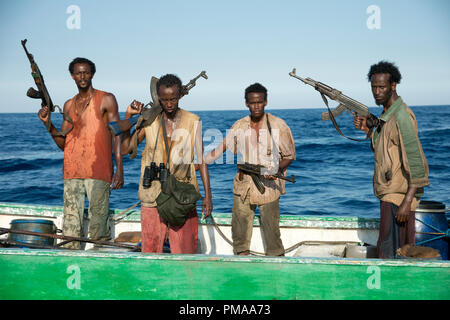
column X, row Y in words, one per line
column 360, row 108
column 192, row 82
column 29, row 55
column 309, row 81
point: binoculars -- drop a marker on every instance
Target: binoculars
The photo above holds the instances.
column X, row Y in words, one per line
column 154, row 172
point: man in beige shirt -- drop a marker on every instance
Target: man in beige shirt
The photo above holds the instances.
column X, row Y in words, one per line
column 184, row 137
column 401, row 169
column 263, row 139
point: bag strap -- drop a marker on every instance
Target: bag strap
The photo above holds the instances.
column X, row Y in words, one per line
column 268, row 124
column 163, row 124
column 166, row 143
column 156, row 142
column 269, row 148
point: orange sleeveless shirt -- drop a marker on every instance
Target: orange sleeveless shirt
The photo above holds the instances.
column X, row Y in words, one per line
column 88, row 147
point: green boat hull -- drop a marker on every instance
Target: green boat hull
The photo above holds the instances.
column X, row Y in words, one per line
column 213, row 274
column 57, row 274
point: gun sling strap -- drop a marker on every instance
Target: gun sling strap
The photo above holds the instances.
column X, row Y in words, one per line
column 333, row 120
column 168, row 147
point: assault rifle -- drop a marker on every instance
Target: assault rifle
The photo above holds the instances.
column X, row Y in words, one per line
column 148, row 115
column 256, row 171
column 42, row 92
column 345, row 103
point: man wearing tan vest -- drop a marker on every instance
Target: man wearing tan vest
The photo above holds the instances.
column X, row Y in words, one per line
column 88, row 148
column 184, row 135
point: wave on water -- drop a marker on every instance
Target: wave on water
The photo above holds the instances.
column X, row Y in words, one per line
column 20, row 164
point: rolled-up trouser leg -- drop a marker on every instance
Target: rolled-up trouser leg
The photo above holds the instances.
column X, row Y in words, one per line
column 74, row 197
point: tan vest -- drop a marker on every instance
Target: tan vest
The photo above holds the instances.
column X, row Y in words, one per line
column 181, row 157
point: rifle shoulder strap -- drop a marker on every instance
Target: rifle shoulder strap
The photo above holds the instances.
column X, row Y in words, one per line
column 166, row 143
column 333, row 120
column 156, row 142
column 269, row 127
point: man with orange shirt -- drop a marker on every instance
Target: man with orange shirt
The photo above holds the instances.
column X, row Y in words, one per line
column 88, row 167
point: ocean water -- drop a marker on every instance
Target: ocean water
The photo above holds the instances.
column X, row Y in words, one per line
column 333, row 175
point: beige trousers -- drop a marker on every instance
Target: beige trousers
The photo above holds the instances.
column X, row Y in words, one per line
column 242, row 226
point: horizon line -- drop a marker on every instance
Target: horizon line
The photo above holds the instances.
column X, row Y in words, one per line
column 268, row 109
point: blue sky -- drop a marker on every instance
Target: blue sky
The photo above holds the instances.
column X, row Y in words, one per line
column 236, row 42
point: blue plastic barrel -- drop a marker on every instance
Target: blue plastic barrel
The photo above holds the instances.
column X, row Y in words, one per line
column 34, row 225
column 431, row 227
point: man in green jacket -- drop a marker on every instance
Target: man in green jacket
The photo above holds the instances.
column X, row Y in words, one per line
column 401, row 169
